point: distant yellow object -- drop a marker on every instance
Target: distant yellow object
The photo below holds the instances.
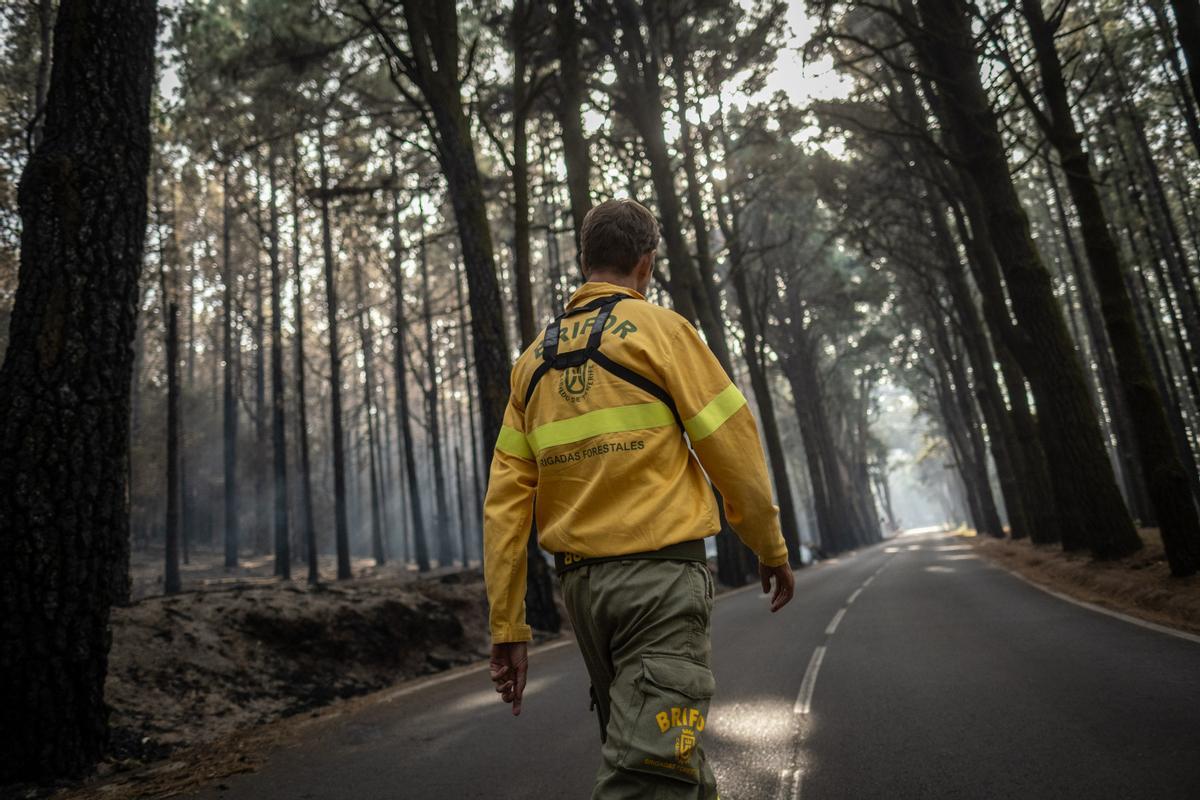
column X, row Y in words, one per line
column 606, row 460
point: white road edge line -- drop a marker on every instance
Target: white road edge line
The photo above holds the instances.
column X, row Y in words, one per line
column 463, row 672
column 854, row 596
column 1191, row 637
column 804, row 698
column 837, row 618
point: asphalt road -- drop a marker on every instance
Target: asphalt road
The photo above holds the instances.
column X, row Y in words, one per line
column 909, row 670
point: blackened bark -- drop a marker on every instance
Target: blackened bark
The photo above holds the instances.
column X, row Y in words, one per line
column 258, row 459
column 378, row 551
column 1166, row 479
column 433, row 418
column 569, row 111
column 308, row 528
column 403, row 413
column 521, row 104
column 230, row 422
column 341, row 532
column 1187, row 23
column 433, row 37
column 283, row 556
column 469, row 366
column 172, row 525
column 1100, row 517
column 64, row 389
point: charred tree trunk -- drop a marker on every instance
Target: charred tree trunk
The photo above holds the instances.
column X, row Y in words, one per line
column 64, row 389
column 569, row 110
column 378, row 551
column 1187, row 22
column 432, row 415
column 521, row 101
column 283, row 556
column 230, row 421
column 342, row 531
column 308, row 528
column 171, row 580
column 403, row 413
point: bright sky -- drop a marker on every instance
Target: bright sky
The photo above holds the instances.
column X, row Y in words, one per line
column 802, row 82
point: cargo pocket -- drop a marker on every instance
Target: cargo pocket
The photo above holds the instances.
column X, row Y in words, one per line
column 665, row 737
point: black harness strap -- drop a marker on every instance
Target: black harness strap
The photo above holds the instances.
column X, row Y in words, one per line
column 552, row 359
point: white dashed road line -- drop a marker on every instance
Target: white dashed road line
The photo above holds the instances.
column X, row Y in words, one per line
column 854, row 596
column 837, row 618
column 804, row 698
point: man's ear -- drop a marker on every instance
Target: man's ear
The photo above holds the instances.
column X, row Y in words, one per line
column 645, row 268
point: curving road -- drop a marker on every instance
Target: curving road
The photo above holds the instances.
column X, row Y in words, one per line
column 909, row 670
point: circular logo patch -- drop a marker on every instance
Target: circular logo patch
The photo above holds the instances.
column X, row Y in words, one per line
column 575, row 381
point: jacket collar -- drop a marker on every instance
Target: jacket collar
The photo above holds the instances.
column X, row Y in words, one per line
column 593, row 289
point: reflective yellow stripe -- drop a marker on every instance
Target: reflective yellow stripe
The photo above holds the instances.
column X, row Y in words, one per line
column 713, row 415
column 513, row 442
column 594, row 423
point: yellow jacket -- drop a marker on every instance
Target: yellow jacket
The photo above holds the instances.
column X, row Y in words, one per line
column 606, row 461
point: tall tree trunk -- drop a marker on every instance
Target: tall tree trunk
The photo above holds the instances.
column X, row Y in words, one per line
column 65, row 388
column 770, row 424
column 1187, row 23
column 521, row 104
column 258, row 458
column 957, row 406
column 308, row 528
column 469, row 366
column 230, row 421
column 1098, row 517
column 1126, row 452
column 572, row 87
column 378, row 552
column 171, row 580
column 342, row 533
column 987, row 389
column 283, row 556
column 403, row 413
column 432, row 415
column 1167, row 481
column 1039, row 486
column 433, row 35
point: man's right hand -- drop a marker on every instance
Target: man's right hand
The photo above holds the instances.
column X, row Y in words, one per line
column 785, row 583
column 509, row 669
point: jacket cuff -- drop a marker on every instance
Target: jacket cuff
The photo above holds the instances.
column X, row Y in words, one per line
column 506, row 634
column 775, row 560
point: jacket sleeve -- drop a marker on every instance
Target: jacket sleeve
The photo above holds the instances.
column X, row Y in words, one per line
column 725, row 438
column 507, row 523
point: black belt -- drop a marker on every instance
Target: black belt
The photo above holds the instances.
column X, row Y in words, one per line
column 692, row 550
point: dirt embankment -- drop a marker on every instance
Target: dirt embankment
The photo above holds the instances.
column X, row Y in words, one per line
column 197, row 666
column 1139, row 585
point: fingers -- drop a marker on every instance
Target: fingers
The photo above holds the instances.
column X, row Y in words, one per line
column 765, row 575
column 785, row 587
column 519, row 688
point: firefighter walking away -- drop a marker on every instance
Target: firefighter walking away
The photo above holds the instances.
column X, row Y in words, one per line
column 619, row 415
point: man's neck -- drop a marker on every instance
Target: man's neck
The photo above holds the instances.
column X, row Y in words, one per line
column 616, row 279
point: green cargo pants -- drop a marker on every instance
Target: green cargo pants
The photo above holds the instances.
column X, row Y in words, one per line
column 643, row 628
